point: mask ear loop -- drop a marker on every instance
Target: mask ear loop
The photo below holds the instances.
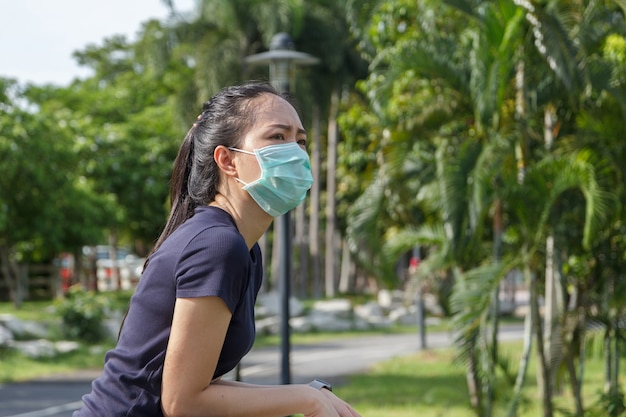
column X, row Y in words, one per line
column 241, row 150
column 245, row 184
column 248, row 184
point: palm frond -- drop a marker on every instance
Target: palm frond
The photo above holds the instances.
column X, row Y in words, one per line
column 546, row 181
column 554, row 43
column 404, row 240
column 471, row 300
column 362, row 234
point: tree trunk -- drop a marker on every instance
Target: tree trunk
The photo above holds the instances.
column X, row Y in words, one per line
column 612, row 352
column 314, row 223
column 582, row 326
column 10, row 276
column 575, row 331
column 331, row 258
column 346, row 281
column 607, row 360
column 520, row 113
column 473, row 384
column 265, row 285
column 526, row 350
column 492, row 358
column 275, row 255
column 543, row 375
column 553, row 310
column 115, row 269
column 488, row 366
column 575, row 383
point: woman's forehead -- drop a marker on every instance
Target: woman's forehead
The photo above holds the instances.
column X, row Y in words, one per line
column 272, row 109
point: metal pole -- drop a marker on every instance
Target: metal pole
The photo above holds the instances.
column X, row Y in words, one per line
column 285, row 293
column 421, row 321
column 419, row 299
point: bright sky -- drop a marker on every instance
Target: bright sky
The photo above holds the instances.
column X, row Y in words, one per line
column 38, row 37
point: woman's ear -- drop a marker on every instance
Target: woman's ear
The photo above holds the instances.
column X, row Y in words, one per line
column 224, row 160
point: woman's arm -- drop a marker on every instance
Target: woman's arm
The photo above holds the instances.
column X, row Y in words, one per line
column 198, row 331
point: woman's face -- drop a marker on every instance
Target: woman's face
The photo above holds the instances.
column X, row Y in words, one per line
column 276, row 122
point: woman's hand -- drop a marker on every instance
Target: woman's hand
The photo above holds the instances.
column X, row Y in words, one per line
column 328, row 404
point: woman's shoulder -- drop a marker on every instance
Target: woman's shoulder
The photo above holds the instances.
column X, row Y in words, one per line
column 204, row 219
column 213, row 229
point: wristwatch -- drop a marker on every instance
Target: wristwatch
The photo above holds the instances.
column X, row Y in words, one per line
column 319, row 384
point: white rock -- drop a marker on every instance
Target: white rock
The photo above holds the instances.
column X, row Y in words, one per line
column 268, row 325
column 6, row 337
column 23, row 329
column 36, row 348
column 404, row 315
column 300, row 324
column 66, row 346
column 369, row 310
column 387, row 299
column 341, row 308
column 431, row 304
column 270, row 304
column 323, row 321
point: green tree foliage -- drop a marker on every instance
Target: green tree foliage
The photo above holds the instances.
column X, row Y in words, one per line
column 130, row 129
column 46, row 205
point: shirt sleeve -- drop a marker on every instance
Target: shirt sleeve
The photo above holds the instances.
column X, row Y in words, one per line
column 216, row 262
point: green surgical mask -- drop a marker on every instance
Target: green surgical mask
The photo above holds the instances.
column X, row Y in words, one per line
column 285, row 177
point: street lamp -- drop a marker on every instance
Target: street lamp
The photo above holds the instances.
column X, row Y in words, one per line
column 282, row 60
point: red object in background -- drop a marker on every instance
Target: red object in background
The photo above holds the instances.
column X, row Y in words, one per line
column 67, row 271
column 414, row 262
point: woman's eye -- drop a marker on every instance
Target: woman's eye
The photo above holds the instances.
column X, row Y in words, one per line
column 279, row 136
column 302, row 142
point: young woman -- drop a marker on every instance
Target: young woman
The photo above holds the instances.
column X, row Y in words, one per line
column 191, row 319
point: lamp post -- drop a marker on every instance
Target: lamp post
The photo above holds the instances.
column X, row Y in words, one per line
column 282, row 60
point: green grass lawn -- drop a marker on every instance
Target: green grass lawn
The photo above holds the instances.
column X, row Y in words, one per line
column 424, row 385
column 30, row 310
column 430, row 384
column 15, row 367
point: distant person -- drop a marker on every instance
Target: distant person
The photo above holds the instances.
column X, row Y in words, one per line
column 191, row 319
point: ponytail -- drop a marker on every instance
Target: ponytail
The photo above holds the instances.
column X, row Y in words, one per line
column 181, row 204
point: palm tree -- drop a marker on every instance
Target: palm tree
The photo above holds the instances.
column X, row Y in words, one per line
column 567, row 36
column 497, row 55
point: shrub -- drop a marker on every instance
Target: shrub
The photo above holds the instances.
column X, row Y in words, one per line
column 83, row 313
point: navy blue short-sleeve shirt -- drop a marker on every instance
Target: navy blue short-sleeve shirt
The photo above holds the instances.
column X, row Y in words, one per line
column 205, row 256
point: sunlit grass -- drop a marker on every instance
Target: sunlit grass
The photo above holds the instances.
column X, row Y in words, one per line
column 15, row 367
column 29, row 310
column 431, row 384
column 424, row 384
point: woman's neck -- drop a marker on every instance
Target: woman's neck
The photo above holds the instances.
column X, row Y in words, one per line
column 252, row 222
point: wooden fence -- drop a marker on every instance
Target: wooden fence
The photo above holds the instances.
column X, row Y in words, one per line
column 36, row 282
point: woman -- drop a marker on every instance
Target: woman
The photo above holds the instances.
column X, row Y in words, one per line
column 191, row 319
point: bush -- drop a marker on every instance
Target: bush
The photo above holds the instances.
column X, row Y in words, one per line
column 610, row 405
column 83, row 313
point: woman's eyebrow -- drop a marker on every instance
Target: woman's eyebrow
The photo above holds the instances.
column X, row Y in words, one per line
column 288, row 127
